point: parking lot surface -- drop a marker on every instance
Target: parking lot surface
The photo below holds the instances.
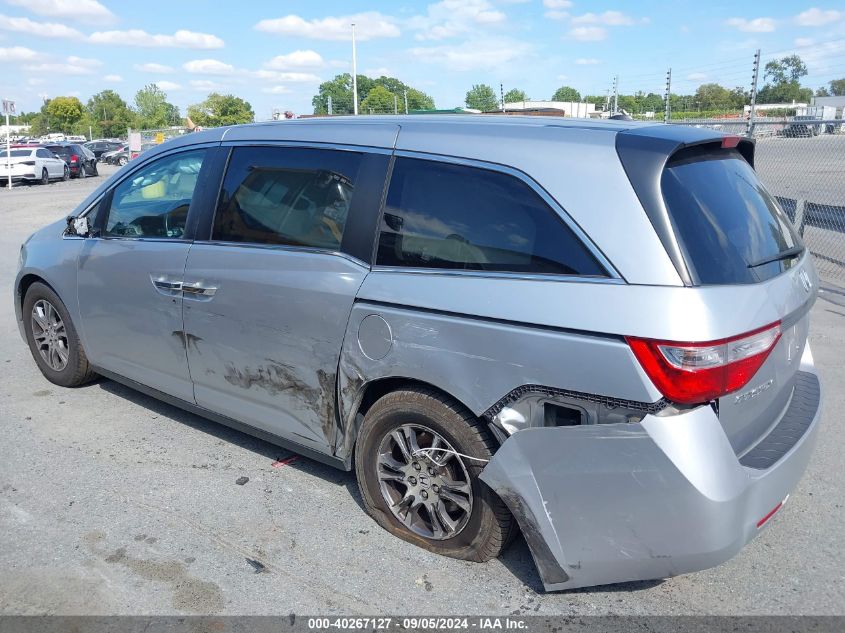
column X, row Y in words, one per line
column 114, row 503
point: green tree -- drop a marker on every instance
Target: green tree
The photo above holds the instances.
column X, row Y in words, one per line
column 783, row 81
column 379, row 100
column 837, row 87
column 340, row 91
column 218, row 110
column 785, row 69
column 514, row 95
column 109, row 114
column 482, row 97
column 567, row 93
column 713, row 97
column 822, row 92
column 64, row 112
column 153, row 109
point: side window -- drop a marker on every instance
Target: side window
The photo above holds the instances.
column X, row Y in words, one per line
column 440, row 215
column 43, row 153
column 282, row 195
column 154, row 201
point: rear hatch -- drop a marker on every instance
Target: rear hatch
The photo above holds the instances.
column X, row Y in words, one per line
column 723, row 228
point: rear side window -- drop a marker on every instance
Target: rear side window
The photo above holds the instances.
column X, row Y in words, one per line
column 290, row 196
column 440, row 215
column 726, row 222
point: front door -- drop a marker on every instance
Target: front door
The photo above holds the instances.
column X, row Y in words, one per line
column 267, row 299
column 130, row 276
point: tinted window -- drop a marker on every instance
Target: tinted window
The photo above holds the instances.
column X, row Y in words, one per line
column 725, row 219
column 41, row 153
column 298, row 197
column 62, row 151
column 440, row 215
column 154, row 201
column 19, row 153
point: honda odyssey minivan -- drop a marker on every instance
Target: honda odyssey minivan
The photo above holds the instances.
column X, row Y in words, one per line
column 594, row 333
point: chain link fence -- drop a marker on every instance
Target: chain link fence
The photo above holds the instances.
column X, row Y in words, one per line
column 802, row 163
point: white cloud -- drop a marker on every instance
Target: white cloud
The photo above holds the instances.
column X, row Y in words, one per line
column 449, row 18
column 586, row 61
column 562, row 77
column 696, row 76
column 556, row 15
column 206, row 85
column 41, row 29
column 487, row 54
column 113, row 78
column 275, row 75
column 71, row 66
column 557, row 4
column 275, row 90
column 296, row 59
column 17, row 54
column 757, row 25
column 137, row 37
column 208, row 67
column 818, row 17
column 168, row 85
column 588, row 33
column 609, row 18
column 82, row 10
column 154, row 68
column 804, row 41
column 368, row 26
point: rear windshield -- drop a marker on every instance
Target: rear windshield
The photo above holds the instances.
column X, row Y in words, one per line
column 60, row 150
column 19, row 152
column 731, row 229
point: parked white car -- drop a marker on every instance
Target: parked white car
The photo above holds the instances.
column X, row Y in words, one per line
column 31, row 164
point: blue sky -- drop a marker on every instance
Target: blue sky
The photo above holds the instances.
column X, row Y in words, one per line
column 274, row 54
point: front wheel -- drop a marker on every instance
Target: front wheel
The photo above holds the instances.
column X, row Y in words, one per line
column 52, row 338
column 122, row 161
column 417, row 460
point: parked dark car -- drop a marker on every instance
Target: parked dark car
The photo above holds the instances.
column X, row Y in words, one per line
column 110, row 157
column 80, row 160
column 101, row 147
column 124, row 155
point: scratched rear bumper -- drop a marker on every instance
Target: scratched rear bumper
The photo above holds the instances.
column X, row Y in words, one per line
column 622, row 502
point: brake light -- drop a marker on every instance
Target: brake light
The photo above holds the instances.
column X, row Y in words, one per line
column 690, row 373
column 27, row 162
column 730, row 141
column 74, row 158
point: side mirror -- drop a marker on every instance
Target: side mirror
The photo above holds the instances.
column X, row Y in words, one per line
column 79, row 227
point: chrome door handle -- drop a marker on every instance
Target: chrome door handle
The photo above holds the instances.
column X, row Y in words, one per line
column 166, row 286
column 198, row 291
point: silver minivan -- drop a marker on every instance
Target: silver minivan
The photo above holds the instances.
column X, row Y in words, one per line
column 594, row 333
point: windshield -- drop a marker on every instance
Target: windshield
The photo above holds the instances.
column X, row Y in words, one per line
column 731, row 229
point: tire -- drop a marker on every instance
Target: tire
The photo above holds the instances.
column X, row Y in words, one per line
column 478, row 535
column 66, row 174
column 96, row 171
column 45, row 177
column 122, row 161
column 81, row 173
column 76, row 370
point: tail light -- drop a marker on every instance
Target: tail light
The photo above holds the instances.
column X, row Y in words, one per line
column 690, row 373
column 27, row 162
column 74, row 158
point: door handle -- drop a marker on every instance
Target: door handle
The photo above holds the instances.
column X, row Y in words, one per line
column 166, row 286
column 198, row 291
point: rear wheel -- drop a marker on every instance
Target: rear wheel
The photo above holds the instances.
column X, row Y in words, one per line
column 417, row 460
column 52, row 338
column 81, row 171
column 45, row 177
column 66, row 173
column 95, row 172
column 122, row 161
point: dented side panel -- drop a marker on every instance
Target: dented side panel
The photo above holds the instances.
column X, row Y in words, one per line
column 476, row 361
column 264, row 349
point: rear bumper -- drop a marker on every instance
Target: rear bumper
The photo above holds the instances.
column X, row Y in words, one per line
column 622, row 502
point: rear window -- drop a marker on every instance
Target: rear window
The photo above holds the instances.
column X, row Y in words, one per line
column 731, row 229
column 59, row 150
column 18, row 153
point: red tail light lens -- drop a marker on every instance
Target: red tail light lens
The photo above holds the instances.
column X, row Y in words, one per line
column 690, row 373
column 74, row 158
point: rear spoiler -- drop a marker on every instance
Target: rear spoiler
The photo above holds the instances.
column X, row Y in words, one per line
column 644, row 152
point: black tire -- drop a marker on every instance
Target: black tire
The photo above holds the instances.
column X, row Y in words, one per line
column 80, row 173
column 66, row 174
column 96, row 171
column 77, row 371
column 45, row 177
column 122, row 161
column 490, row 526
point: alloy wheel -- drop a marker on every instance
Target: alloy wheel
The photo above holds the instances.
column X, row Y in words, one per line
column 424, row 482
column 50, row 335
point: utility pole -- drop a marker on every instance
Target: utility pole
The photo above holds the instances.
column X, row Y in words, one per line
column 615, row 94
column 406, row 101
column 667, row 109
column 329, row 105
column 749, row 131
column 395, row 104
column 354, row 74
column 502, row 95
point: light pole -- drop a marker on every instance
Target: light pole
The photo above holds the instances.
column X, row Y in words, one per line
column 354, row 74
